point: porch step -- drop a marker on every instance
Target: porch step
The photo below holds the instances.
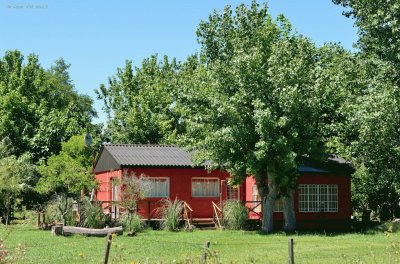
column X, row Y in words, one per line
column 204, row 223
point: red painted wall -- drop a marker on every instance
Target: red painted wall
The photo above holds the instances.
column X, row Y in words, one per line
column 104, row 182
column 310, row 219
column 180, row 184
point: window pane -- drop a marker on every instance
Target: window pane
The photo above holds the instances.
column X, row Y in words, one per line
column 158, row 187
column 205, row 187
column 318, row 198
column 255, row 197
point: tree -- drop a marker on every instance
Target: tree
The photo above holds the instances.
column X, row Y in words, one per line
column 67, row 173
column 18, row 177
column 133, row 189
column 252, row 105
column 378, row 28
column 140, row 102
column 369, row 134
column 9, row 186
column 39, row 108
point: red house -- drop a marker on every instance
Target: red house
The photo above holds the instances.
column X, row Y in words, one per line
column 322, row 198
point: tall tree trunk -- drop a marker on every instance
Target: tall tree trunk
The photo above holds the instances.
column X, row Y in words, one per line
column 268, row 206
column 288, row 212
column 7, row 209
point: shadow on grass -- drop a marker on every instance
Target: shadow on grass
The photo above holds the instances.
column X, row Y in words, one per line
column 355, row 227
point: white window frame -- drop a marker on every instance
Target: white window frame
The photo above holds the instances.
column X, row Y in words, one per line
column 316, row 194
column 205, row 179
column 154, row 179
column 232, row 192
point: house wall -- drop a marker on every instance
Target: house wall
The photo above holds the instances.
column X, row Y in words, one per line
column 180, row 184
column 308, row 220
column 180, row 187
column 104, row 191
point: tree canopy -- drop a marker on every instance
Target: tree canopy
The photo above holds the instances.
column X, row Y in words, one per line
column 369, row 134
column 378, row 28
column 69, row 172
column 140, row 102
column 39, row 108
column 258, row 106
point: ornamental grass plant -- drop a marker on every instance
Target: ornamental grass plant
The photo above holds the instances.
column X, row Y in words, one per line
column 92, row 214
column 235, row 215
column 171, row 212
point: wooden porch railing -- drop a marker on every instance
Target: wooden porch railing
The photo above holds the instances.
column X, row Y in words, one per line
column 217, row 216
column 187, row 214
column 254, row 205
column 109, row 207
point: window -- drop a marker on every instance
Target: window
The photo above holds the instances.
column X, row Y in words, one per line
column 232, row 192
column 158, row 187
column 256, row 201
column 278, row 207
column 205, row 187
column 318, row 198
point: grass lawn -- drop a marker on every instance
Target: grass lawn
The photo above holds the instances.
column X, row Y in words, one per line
column 27, row 244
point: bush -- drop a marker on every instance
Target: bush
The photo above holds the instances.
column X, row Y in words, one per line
column 389, row 226
column 235, row 215
column 92, row 215
column 53, row 213
column 137, row 224
column 171, row 212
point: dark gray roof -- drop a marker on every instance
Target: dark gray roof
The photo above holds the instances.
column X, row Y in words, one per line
column 115, row 156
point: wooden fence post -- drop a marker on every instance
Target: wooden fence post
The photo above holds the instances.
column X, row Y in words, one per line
column 291, row 253
column 203, row 258
column 108, row 246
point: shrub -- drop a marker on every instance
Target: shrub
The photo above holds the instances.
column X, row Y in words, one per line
column 389, row 227
column 53, row 213
column 132, row 221
column 235, row 215
column 171, row 212
column 92, row 215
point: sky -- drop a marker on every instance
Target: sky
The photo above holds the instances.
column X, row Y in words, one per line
column 98, row 36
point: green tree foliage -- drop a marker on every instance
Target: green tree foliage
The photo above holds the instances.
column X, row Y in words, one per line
column 369, row 136
column 18, row 177
column 369, row 132
column 140, row 102
column 253, row 102
column 9, row 186
column 378, row 28
column 39, row 108
column 69, row 172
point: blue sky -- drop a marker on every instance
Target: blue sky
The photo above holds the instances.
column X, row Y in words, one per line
column 97, row 36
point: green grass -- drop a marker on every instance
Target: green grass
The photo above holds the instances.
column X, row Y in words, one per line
column 29, row 245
